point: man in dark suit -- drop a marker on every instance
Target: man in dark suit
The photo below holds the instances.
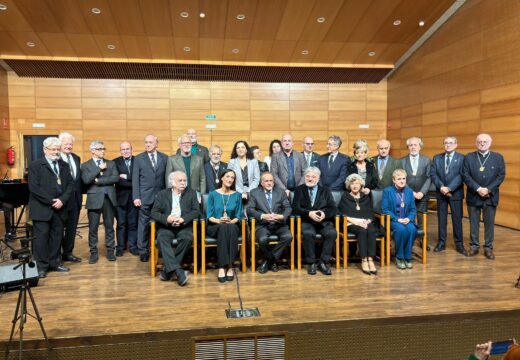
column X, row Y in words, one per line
column 385, row 164
column 191, row 164
column 333, row 166
column 287, row 166
column 446, row 174
column 484, row 171
column 174, row 211
column 126, row 212
column 99, row 176
column 270, row 207
column 214, row 168
column 50, row 190
column 74, row 205
column 147, row 181
column 311, row 157
column 196, row 149
column 317, row 209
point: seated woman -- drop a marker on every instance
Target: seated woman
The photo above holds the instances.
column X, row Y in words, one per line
column 362, row 166
column 245, row 167
column 398, row 202
column 358, row 208
column 257, row 155
column 274, row 147
column 223, row 213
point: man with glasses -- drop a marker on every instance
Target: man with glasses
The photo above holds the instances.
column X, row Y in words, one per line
column 334, row 165
column 446, row 175
column 287, row 166
column 483, row 172
column 214, row 168
column 99, row 175
column 311, row 157
column 190, row 164
column 196, row 149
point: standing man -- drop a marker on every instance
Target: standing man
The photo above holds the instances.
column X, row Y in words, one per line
column 174, row 211
column 311, row 157
column 196, row 149
column 270, row 207
column 214, row 168
column 484, row 171
column 316, row 206
column 147, row 181
column 126, row 212
column 99, row 176
column 50, row 188
column 190, row 164
column 446, row 175
column 385, row 164
column 333, row 166
column 74, row 205
column 287, row 166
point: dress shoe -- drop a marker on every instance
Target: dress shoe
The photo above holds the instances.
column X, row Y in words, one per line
column 262, row 269
column 144, row 257
column 311, row 269
column 400, row 264
column 421, row 245
column 461, row 250
column 324, row 268
column 489, row 254
column 364, row 267
column 134, row 252
column 372, row 267
column 93, row 258
column 165, row 276
column 230, row 277
column 61, row 268
column 182, row 277
column 440, row 247
column 42, row 274
column 473, row 252
column 274, row 267
column 119, row 252
column 72, row 258
column 408, row 264
column 111, row 256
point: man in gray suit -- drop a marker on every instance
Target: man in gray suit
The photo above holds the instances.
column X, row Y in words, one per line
column 147, row 180
column 99, row 176
column 287, row 166
column 190, row 164
column 385, row 164
column 270, row 207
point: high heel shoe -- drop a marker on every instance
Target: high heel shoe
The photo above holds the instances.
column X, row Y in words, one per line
column 372, row 267
column 364, row 267
column 230, row 277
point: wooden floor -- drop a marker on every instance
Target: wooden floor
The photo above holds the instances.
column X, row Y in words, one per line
column 120, row 297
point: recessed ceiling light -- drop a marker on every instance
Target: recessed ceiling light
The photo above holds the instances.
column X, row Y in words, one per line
column 3, row 7
column 305, row 52
column 241, row 17
column 187, row 49
column 184, row 14
column 96, row 11
column 30, row 44
column 421, row 23
column 111, row 47
column 202, row 15
column 372, row 53
column 320, row 19
column 397, row 22
column 235, row 51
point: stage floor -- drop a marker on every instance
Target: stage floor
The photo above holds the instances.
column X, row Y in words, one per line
column 120, row 297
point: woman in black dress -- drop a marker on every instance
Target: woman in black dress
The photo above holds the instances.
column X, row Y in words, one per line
column 363, row 166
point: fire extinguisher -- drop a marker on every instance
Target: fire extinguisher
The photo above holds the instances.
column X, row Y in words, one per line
column 10, row 156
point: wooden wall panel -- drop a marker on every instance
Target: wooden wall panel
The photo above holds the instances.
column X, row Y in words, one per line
column 465, row 80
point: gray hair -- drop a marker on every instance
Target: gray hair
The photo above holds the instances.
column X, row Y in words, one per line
column 450, row 137
column 354, row 177
column 313, row 169
column 421, row 144
column 155, row 137
column 95, row 143
column 51, row 141
column 172, row 176
column 186, row 136
column 383, row 140
column 65, row 135
column 397, row 172
column 336, row 139
column 360, row 145
column 213, row 147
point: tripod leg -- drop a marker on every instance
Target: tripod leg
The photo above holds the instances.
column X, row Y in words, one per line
column 39, row 318
column 15, row 320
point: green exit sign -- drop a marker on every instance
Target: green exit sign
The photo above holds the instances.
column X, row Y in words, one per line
column 211, row 117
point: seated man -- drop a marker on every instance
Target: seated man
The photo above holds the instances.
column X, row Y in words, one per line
column 270, row 207
column 174, row 211
column 317, row 209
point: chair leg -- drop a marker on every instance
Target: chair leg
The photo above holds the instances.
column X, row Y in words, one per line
column 203, row 247
column 253, row 245
column 195, row 265
column 345, row 244
column 299, row 236
column 292, row 243
column 425, row 239
column 337, row 243
column 388, row 240
column 153, row 250
column 243, row 247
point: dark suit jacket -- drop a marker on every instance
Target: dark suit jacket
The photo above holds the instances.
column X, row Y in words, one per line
column 453, row 179
column 124, row 186
column 333, row 178
column 78, row 184
column 43, row 187
column 105, row 183
column 389, row 204
column 202, row 151
column 196, row 171
column 421, row 181
column 280, row 170
column 492, row 177
column 257, row 205
column 371, row 181
column 210, row 175
column 324, row 201
column 314, row 159
column 390, row 165
column 147, row 181
column 162, row 207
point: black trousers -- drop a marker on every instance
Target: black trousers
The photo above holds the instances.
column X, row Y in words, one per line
column 46, row 243
column 143, row 229
column 366, row 239
column 173, row 258
column 309, row 231
column 284, row 236
column 456, row 220
column 488, row 215
column 127, row 217
column 227, row 242
column 71, row 226
column 93, row 225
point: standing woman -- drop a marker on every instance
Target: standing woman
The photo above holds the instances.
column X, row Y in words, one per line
column 245, row 167
column 274, row 147
column 364, row 167
column 399, row 203
column 223, row 213
column 257, row 155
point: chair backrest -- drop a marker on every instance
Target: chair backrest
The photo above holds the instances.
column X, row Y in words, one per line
column 377, row 197
column 203, row 205
column 337, row 196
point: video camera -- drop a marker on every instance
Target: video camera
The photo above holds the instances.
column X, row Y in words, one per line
column 24, row 254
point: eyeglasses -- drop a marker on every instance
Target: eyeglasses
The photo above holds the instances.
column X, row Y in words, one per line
column 309, row 143
column 185, row 143
column 216, row 154
column 449, row 143
column 100, row 149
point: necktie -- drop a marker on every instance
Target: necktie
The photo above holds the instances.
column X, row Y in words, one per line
column 270, row 201
column 98, row 162
column 448, row 161
column 414, row 165
column 55, row 167
column 127, row 161
column 152, row 156
column 308, row 159
column 69, row 160
column 311, row 195
column 381, row 167
column 331, row 160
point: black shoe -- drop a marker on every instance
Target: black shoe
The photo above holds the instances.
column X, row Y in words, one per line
column 144, row 257
column 461, row 250
column 440, row 247
column 182, row 277
column 119, row 252
column 111, row 256
column 311, row 269
column 60, row 268
column 421, row 244
column 134, row 252
column 324, row 268
column 230, row 277
column 42, row 274
column 165, row 276
column 274, row 267
column 72, row 258
column 93, row 258
column 489, row 254
column 473, row 252
column 262, row 269
column 221, row 279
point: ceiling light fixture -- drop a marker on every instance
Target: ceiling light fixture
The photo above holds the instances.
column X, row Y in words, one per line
column 187, row 49
column 96, row 11
column 421, row 23
column 241, row 17
column 320, row 19
column 30, row 44
column 184, row 14
column 202, row 15
column 111, row 47
column 397, row 22
column 372, row 53
column 305, row 52
column 3, row 7
column 235, row 51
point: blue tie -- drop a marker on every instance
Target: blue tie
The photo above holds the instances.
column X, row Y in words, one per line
column 270, row 201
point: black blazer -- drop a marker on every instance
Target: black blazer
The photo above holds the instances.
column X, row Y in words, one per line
column 257, row 204
column 371, row 180
column 453, row 179
column 124, row 186
column 333, row 178
column 43, row 187
column 324, row 201
column 162, row 207
column 147, row 181
column 314, row 158
column 492, row 177
column 210, row 175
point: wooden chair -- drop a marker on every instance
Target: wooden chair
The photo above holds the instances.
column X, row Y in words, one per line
column 376, row 197
column 154, row 250
column 422, row 234
column 206, row 241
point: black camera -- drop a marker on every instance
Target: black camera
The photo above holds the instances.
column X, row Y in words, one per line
column 23, row 255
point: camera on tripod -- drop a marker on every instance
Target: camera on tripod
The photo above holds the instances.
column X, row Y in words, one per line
column 24, row 254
